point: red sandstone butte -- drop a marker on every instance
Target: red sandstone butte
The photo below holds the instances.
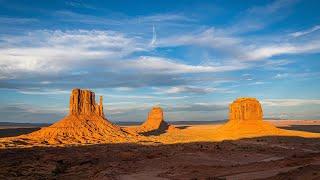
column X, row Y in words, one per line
column 82, row 102
column 85, row 123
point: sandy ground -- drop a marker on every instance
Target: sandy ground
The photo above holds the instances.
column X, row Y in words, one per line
column 252, row 158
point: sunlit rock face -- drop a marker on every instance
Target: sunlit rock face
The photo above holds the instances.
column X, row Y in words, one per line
column 84, row 124
column 245, row 109
column 82, row 102
column 155, row 119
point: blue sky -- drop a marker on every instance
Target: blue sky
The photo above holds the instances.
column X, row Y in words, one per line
column 191, row 57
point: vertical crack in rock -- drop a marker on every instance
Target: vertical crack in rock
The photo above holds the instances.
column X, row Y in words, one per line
column 245, row 109
column 82, row 102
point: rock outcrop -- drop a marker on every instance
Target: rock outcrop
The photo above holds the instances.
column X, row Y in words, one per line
column 246, row 120
column 155, row 123
column 82, row 102
column 245, row 109
column 84, row 124
column 155, row 120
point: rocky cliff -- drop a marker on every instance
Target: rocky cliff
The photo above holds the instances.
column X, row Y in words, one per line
column 82, row 102
column 245, row 109
column 246, row 120
column 155, row 123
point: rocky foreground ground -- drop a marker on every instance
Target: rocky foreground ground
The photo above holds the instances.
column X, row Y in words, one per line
column 263, row 158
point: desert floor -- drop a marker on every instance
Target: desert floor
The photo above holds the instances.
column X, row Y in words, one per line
column 251, row 158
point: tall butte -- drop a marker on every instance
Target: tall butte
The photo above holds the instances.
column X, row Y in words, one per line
column 246, row 120
column 85, row 123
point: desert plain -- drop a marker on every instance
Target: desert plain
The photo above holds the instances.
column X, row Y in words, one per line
column 85, row 144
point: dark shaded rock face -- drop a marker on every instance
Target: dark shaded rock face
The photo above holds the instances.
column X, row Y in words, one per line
column 82, row 102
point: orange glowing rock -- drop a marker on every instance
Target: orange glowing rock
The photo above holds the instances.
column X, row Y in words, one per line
column 155, row 122
column 245, row 109
column 84, row 124
column 246, row 120
column 82, row 102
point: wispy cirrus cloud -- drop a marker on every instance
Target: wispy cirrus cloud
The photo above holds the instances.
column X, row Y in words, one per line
column 305, row 32
column 243, row 49
column 121, row 19
column 208, row 38
column 188, row 89
column 290, row 102
column 259, row 17
column 165, row 65
column 17, row 20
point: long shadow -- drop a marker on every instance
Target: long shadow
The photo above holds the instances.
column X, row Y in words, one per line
column 309, row 128
column 10, row 132
column 201, row 160
column 162, row 129
column 182, row 127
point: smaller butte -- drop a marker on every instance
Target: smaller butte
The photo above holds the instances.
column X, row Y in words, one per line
column 155, row 123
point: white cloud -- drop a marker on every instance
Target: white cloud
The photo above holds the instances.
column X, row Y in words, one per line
column 308, row 31
column 121, row 19
column 265, row 52
column 43, row 92
column 163, row 65
column 164, row 17
column 290, row 102
column 258, row 83
column 281, row 75
column 48, row 52
column 208, row 38
column 188, row 89
column 54, row 51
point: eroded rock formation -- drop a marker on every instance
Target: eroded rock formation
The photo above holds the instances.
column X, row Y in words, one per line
column 245, row 109
column 155, row 119
column 155, row 123
column 84, row 124
column 246, row 120
column 82, row 102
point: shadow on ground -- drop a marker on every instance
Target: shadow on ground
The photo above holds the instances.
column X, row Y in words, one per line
column 264, row 157
column 182, row 127
column 16, row 131
column 309, row 128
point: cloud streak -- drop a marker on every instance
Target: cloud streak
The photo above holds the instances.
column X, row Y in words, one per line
column 290, row 102
column 306, row 32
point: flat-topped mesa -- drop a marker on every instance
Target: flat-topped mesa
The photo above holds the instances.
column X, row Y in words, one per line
column 82, row 102
column 245, row 109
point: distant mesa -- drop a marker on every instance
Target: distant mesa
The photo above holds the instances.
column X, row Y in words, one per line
column 85, row 123
column 155, row 123
column 245, row 109
column 246, row 120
